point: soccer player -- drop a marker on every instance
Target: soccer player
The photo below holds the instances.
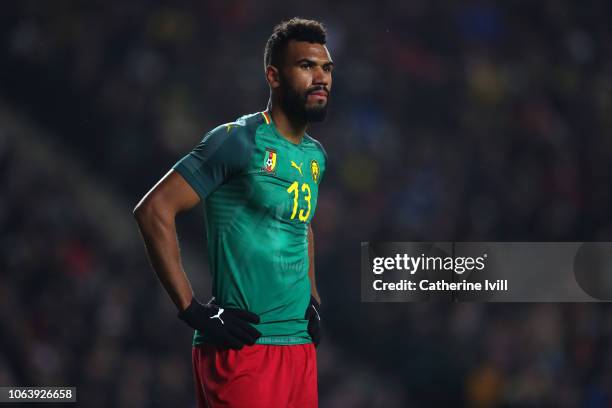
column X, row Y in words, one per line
column 259, row 177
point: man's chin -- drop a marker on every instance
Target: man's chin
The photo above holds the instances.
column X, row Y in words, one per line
column 315, row 113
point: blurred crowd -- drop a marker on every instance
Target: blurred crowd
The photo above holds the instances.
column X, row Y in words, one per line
column 449, row 121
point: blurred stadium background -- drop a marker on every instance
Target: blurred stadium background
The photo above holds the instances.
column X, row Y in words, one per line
column 469, row 120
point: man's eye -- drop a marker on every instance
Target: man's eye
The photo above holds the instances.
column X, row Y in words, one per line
column 306, row 66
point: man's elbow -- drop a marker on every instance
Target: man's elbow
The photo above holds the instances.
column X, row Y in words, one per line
column 144, row 209
column 152, row 209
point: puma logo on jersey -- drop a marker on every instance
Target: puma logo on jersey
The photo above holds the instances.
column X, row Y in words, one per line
column 299, row 168
column 218, row 315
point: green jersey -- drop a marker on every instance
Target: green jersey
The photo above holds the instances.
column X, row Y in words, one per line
column 260, row 193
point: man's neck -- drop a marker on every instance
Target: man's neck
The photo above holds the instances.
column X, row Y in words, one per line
column 288, row 128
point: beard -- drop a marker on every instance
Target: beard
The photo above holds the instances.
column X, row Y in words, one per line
column 295, row 104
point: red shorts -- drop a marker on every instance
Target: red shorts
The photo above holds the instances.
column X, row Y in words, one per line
column 259, row 376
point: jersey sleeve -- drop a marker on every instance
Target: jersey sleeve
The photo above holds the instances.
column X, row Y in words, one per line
column 324, row 170
column 323, row 159
column 221, row 154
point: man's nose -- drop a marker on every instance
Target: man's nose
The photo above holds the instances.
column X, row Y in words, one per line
column 320, row 77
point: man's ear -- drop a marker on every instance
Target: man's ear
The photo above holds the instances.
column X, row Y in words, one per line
column 272, row 76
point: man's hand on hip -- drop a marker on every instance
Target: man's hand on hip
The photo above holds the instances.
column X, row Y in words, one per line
column 314, row 321
column 224, row 327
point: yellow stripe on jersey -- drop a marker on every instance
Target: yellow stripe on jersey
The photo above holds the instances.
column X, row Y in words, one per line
column 266, row 117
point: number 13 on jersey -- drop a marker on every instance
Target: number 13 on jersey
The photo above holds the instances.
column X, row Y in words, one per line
column 294, row 188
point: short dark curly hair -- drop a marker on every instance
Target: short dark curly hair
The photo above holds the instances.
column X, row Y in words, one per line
column 298, row 29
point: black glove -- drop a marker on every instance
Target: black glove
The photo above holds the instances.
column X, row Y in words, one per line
column 314, row 321
column 224, row 327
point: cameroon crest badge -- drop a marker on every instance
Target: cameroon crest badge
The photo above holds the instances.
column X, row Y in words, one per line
column 314, row 169
column 269, row 160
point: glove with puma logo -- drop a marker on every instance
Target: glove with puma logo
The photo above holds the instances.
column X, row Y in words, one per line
column 225, row 327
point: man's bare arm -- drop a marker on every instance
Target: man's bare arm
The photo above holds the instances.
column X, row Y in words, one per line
column 311, row 268
column 155, row 215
